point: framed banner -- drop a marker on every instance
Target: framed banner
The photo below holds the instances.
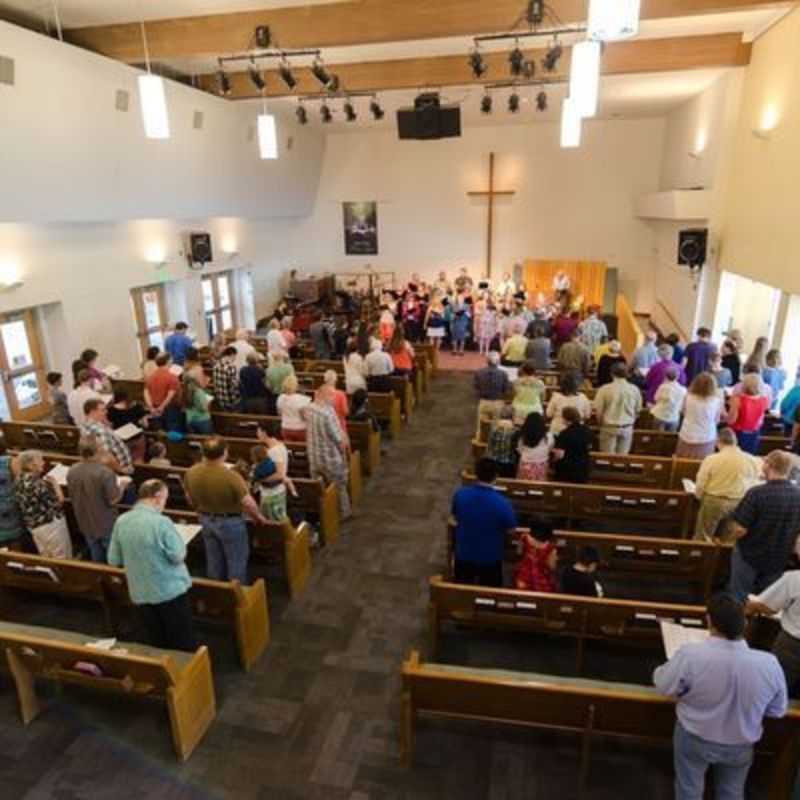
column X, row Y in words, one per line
column 360, row 229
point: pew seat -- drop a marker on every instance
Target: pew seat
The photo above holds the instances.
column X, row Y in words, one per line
column 182, row 681
column 241, row 608
column 587, row 708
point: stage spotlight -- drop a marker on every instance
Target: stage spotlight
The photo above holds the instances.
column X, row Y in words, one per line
column 286, row 75
column 513, row 103
column 486, row 104
column 517, row 62
column 552, row 57
column 302, row 115
column 256, row 78
column 376, row 110
column 541, row 101
column 323, row 76
column 350, row 112
column 325, row 113
column 477, row 64
column 223, row 83
column 333, row 84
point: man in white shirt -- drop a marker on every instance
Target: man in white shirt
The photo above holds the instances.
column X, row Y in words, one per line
column 276, row 343
column 506, row 286
column 722, row 481
column 782, row 598
column 378, row 366
column 79, row 395
column 243, row 348
column 617, row 405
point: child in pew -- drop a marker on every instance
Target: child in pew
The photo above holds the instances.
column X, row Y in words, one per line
column 580, row 578
column 269, row 478
column 158, row 455
column 536, row 570
column 58, row 399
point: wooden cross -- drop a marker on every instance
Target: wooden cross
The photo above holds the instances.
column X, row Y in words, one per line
column 491, row 194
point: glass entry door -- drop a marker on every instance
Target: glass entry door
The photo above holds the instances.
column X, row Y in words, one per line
column 22, row 371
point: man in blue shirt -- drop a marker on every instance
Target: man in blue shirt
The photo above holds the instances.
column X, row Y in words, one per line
column 724, row 690
column 178, row 343
column 483, row 517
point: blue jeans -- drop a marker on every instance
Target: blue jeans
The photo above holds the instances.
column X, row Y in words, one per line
column 693, row 756
column 745, row 579
column 201, row 427
column 749, row 441
column 227, row 546
column 98, row 549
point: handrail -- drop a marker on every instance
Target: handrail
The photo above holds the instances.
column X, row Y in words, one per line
column 685, row 336
column 630, row 334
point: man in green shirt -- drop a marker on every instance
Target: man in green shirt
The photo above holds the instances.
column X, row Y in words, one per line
column 278, row 371
column 148, row 545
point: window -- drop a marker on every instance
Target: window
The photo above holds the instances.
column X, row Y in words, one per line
column 22, row 368
column 218, row 305
column 149, row 312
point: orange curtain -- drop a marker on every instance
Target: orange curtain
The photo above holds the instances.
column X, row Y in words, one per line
column 588, row 278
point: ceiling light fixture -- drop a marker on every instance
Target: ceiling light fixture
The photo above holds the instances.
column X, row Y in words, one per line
column 328, row 81
column 486, row 104
column 267, row 136
column 541, row 101
column 325, row 113
column 223, row 83
column 516, row 61
column 152, row 99
column 256, row 78
column 285, row 72
column 513, row 103
column 584, row 79
column 350, row 112
column 477, row 64
column 376, row 110
column 301, row 114
column 552, row 57
column 611, row 20
column 571, row 123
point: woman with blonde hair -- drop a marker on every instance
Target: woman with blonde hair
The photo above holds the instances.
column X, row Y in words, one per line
column 434, row 323
column 702, row 410
column 529, row 393
column 758, row 358
column 292, row 406
column 746, row 415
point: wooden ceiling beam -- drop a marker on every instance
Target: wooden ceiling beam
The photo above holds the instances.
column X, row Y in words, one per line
column 355, row 22
column 620, row 58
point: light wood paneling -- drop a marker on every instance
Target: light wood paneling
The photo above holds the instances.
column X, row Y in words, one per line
column 620, row 58
column 588, row 278
column 352, row 23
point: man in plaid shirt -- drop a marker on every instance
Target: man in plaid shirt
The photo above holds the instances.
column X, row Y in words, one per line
column 97, row 427
column 225, row 376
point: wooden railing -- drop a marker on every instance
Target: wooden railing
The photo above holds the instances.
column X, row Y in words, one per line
column 629, row 333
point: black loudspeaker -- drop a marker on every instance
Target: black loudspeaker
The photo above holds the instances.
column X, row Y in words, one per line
column 200, row 248
column 692, row 247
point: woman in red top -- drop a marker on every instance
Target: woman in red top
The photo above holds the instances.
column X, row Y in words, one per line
column 401, row 352
column 340, row 405
column 536, row 572
column 747, row 411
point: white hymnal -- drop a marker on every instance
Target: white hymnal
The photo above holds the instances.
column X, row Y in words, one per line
column 176, row 369
column 689, row 486
column 188, row 532
column 102, row 644
column 512, row 372
column 676, row 636
column 128, row 431
column 59, row 474
column 123, row 482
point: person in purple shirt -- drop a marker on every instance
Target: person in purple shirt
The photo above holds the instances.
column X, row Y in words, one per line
column 723, row 691
column 658, row 372
column 697, row 356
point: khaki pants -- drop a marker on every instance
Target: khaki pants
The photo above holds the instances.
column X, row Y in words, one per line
column 488, row 409
column 614, row 439
column 712, row 511
column 52, row 539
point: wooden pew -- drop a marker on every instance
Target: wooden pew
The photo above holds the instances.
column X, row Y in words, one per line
column 587, row 708
column 432, row 354
column 182, row 681
column 629, row 623
column 244, row 426
column 699, row 565
column 242, row 608
column 654, row 511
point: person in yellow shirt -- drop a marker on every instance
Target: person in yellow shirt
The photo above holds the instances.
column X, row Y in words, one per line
column 722, row 481
column 514, row 350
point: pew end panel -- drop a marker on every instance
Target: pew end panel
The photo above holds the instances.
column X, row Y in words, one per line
column 252, row 622
column 355, row 478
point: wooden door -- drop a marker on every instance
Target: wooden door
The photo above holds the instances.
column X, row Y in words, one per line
column 22, row 369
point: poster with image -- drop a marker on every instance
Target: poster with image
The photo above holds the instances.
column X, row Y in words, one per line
column 360, row 229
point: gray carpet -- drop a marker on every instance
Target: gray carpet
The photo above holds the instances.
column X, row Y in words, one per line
column 318, row 715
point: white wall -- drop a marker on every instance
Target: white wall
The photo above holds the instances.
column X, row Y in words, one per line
column 572, row 204
column 71, row 157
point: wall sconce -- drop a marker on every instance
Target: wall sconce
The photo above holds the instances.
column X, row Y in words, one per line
column 9, row 277
column 769, row 121
column 699, row 146
column 157, row 256
column 229, row 247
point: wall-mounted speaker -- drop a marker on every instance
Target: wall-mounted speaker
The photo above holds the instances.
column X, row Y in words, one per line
column 693, row 247
column 200, row 248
